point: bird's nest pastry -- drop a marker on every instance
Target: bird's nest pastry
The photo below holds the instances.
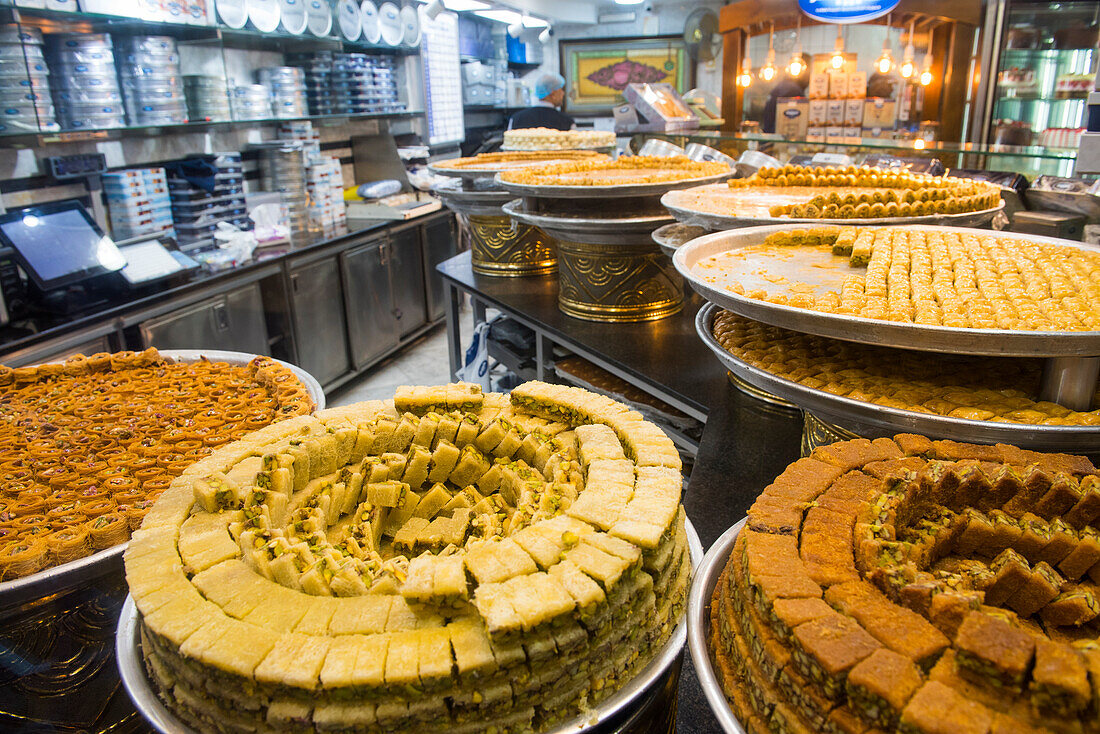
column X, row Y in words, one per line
column 916, row 586
column 445, row 561
column 90, row 443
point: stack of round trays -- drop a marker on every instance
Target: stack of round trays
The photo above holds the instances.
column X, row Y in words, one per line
column 251, row 102
column 288, row 91
column 318, row 80
column 85, row 86
column 366, row 82
column 207, row 98
column 25, row 102
column 282, row 169
column 150, row 71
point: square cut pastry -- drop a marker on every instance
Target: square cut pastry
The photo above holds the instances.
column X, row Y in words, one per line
column 992, row 651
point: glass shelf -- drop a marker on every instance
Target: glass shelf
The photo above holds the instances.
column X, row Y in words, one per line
column 1047, row 100
column 1043, row 53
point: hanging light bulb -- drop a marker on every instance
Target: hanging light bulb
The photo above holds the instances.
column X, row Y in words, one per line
column 926, row 66
column 908, row 68
column 837, row 61
column 797, row 65
column 745, row 77
column 768, row 72
column 885, row 62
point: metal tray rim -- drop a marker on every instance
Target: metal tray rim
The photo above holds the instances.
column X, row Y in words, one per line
column 136, row 682
column 702, row 588
column 947, row 339
column 857, row 414
column 616, row 191
column 578, row 224
column 659, row 236
column 73, row 573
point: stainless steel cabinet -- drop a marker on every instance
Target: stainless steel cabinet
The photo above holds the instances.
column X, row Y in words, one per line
column 406, row 265
column 233, row 321
column 438, row 240
column 57, row 350
column 319, row 326
column 372, row 328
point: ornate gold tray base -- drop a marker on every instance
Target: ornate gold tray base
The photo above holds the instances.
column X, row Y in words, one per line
column 617, row 283
column 816, row 432
column 505, row 248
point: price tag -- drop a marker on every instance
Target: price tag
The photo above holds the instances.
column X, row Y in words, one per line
column 831, row 159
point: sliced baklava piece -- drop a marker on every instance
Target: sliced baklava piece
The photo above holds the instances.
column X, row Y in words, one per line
column 993, row 652
column 1084, row 556
column 880, row 685
column 1087, row 507
column 826, row 648
column 939, row 709
column 1063, row 494
column 1006, row 531
column 1059, row 680
column 1071, row 608
column 1063, row 539
column 1042, row 587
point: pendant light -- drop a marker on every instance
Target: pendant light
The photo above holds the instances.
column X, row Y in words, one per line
column 768, row 72
column 885, row 62
column 797, row 65
column 837, row 61
column 744, row 78
column 908, row 68
column 926, row 66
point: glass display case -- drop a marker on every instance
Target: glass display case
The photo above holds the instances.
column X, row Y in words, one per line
column 1046, row 66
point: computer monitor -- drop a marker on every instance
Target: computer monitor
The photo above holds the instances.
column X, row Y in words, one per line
column 58, row 244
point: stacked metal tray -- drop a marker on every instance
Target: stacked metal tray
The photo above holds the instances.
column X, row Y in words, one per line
column 1070, row 354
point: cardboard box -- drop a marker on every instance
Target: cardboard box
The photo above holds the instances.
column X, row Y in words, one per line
column 853, row 112
column 852, row 133
column 792, row 116
column 834, row 134
column 815, row 134
column 857, row 84
column 838, row 85
column 878, row 133
column 819, row 86
column 834, row 112
column 818, row 109
column 879, row 112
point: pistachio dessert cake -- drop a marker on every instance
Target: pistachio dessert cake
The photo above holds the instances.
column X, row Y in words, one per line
column 444, row 561
column 916, row 586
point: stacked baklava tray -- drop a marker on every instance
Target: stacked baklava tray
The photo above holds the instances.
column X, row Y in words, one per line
column 444, row 561
column 915, row 586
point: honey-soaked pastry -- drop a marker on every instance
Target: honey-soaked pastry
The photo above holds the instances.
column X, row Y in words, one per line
column 946, row 629
column 505, row 160
column 624, row 171
column 310, row 576
column 92, row 442
column 544, row 138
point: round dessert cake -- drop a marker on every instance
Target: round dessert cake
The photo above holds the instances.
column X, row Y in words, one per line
column 90, row 443
column 504, row 160
column 624, row 171
column 445, row 561
column 913, row 585
column 544, row 138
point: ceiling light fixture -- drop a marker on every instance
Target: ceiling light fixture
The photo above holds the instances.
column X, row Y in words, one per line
column 515, row 29
column 629, row 2
column 460, row 5
column 797, row 65
column 768, row 72
column 907, row 67
column 885, row 62
column 837, row 60
column 435, row 9
column 926, row 67
column 744, row 78
column 544, row 37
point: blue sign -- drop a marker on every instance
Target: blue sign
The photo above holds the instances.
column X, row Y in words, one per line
column 846, row 11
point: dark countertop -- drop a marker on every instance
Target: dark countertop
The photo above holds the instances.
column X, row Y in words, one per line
column 745, row 444
column 120, row 300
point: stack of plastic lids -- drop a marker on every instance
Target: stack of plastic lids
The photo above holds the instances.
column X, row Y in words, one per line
column 317, row 68
column 288, row 90
column 366, row 82
column 385, row 86
column 197, row 211
column 25, row 101
column 85, row 85
column 282, row 169
column 324, row 180
column 207, row 98
column 149, row 67
column 251, row 102
column 137, row 202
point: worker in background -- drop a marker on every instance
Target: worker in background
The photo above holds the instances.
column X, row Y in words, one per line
column 788, row 86
column 550, row 92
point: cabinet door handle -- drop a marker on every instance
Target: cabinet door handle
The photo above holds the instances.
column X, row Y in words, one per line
column 397, row 314
column 221, row 317
column 294, row 283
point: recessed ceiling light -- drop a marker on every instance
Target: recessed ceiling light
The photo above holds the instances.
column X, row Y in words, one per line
column 629, row 2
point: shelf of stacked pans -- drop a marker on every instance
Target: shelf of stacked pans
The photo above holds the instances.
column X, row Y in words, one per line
column 958, row 333
column 446, row 560
column 850, row 195
column 62, row 524
column 907, row 585
column 603, row 215
column 500, row 245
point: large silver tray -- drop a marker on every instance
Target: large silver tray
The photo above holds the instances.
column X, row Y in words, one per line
column 588, row 229
column 131, row 668
column 488, row 171
column 1087, row 205
column 873, row 421
column 608, row 192
column 483, row 203
column 717, row 222
column 672, row 236
column 702, row 589
column 951, row 340
column 76, row 573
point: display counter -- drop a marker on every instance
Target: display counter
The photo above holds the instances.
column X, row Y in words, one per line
column 745, row 442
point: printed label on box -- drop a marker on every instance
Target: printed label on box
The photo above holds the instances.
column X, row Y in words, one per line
column 857, row 84
column 818, row 109
column 819, row 86
column 879, row 112
column 838, row 85
column 834, row 114
column 792, row 117
column 853, row 112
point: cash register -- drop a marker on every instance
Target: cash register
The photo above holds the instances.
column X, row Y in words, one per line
column 73, row 266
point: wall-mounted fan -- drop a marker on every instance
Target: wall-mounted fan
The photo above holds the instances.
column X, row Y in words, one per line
column 701, row 36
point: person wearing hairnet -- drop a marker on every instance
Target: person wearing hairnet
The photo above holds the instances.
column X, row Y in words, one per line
column 550, row 91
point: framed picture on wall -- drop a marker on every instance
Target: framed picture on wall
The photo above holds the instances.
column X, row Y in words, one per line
column 597, row 71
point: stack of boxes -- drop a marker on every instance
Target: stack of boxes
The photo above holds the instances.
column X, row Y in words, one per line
column 838, row 110
column 484, row 83
column 138, row 204
column 196, row 211
column 324, row 181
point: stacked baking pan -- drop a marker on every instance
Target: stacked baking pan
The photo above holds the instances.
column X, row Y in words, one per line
column 25, row 100
column 85, row 88
column 317, row 68
column 250, row 102
column 138, row 202
column 197, row 211
column 282, row 169
column 149, row 68
column 286, row 85
column 365, row 82
column 207, row 98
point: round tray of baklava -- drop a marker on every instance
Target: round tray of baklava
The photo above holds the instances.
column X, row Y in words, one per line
column 487, row 165
column 743, row 260
column 72, row 574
